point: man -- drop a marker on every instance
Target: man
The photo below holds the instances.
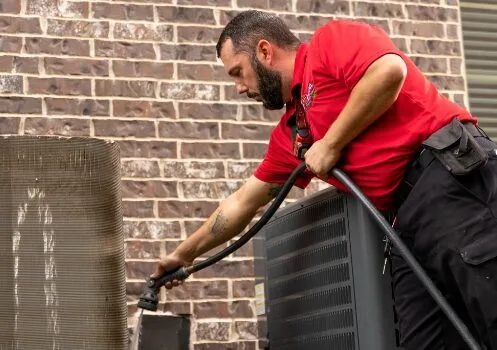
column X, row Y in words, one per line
column 367, row 108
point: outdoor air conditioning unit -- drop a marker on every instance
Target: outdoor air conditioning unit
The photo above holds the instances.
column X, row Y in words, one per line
column 324, row 284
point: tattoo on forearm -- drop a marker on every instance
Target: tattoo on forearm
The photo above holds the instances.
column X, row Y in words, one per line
column 273, row 191
column 219, row 224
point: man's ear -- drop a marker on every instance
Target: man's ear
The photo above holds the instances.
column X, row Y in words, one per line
column 264, row 51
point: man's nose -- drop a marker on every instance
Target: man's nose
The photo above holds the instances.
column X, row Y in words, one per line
column 240, row 88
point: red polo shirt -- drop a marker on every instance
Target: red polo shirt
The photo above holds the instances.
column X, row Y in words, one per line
column 327, row 69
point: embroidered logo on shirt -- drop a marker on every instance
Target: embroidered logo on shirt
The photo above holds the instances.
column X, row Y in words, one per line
column 308, row 97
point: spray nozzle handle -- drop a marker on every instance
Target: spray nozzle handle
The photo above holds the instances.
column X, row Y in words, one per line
column 179, row 273
column 149, row 299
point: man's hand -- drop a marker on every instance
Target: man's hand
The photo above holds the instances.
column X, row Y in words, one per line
column 170, row 262
column 321, row 158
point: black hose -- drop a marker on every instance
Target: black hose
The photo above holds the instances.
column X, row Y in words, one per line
column 257, row 226
column 148, row 300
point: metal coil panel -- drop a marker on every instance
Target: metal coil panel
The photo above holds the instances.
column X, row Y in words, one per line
column 62, row 277
column 323, row 280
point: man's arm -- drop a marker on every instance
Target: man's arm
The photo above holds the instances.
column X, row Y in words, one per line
column 372, row 96
column 228, row 220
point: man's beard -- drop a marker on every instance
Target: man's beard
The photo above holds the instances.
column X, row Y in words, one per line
column 269, row 85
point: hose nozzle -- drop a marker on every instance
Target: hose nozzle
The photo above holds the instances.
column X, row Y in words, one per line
column 149, row 299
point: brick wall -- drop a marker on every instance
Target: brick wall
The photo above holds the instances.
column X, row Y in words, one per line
column 144, row 73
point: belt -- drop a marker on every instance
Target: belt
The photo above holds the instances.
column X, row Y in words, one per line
column 421, row 162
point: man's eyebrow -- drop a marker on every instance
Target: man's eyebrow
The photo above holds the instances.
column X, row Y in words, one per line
column 232, row 70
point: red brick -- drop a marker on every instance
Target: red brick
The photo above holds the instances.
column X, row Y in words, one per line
column 435, row 47
column 136, row 69
column 136, row 249
column 210, row 150
column 216, row 331
column 207, row 111
column 187, row 91
column 230, row 94
column 71, row 47
column 125, row 88
column 149, row 189
column 27, row 65
column 203, row 72
column 76, row 66
column 141, row 31
column 135, row 289
column 430, row 64
column 261, row 4
column 401, row 44
column 188, row 52
column 198, row 34
column 209, row 190
column 456, row 65
column 17, row 25
column 10, row 44
column 69, row 106
column 189, row 130
column 246, row 330
column 16, row 64
column 123, row 11
column 309, row 22
column 140, row 168
column 20, row 105
column 78, row 28
column 124, row 49
column 186, row 14
column 138, row 209
column 205, row 2
column 9, row 125
column 228, row 269
column 194, row 170
column 11, row 84
column 258, row 113
column 243, row 345
column 182, row 209
column 445, row 82
column 199, row 290
column 409, row 28
column 453, row 31
column 178, row 308
column 432, row 13
column 52, row 126
column 243, row 289
column 245, row 131
column 222, row 309
column 151, row 229
column 139, row 269
column 327, row 7
column 59, row 86
column 241, row 170
column 246, row 251
column 366, row 9
column 124, row 128
column 459, row 99
column 193, row 225
column 10, row 6
column 254, row 150
column 55, row 8
column 172, row 245
column 143, row 109
column 148, row 149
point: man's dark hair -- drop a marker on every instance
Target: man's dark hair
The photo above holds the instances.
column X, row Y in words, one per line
column 247, row 28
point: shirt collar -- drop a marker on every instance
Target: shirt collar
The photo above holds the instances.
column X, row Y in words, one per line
column 298, row 70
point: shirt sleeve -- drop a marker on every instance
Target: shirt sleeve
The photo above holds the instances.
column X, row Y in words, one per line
column 348, row 48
